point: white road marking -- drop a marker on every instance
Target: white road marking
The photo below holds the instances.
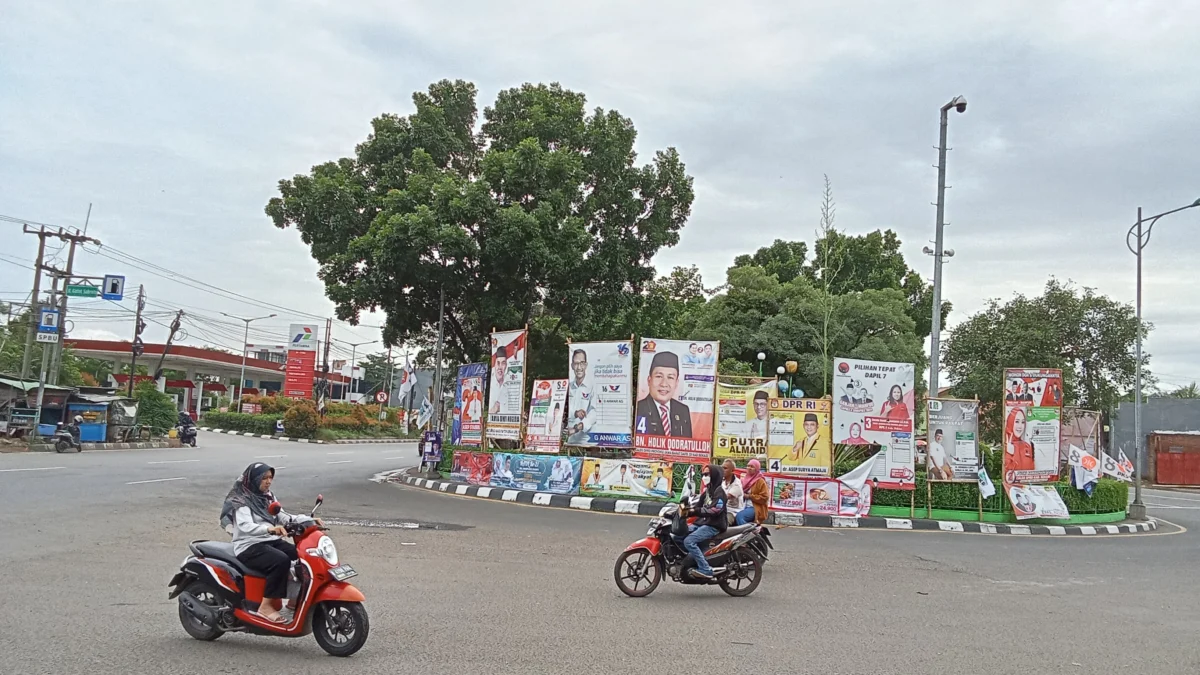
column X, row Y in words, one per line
column 1172, row 506
column 156, row 480
column 344, row 452
column 1159, row 495
column 388, row 458
column 40, row 468
column 175, row 461
column 270, row 456
column 279, row 467
column 344, row 461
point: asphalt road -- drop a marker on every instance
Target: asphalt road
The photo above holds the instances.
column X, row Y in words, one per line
column 87, row 544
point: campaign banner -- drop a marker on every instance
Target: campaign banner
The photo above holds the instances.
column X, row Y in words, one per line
column 543, row 431
column 874, row 405
column 600, row 395
column 1036, row 501
column 673, row 418
column 1080, row 428
column 825, row 496
column 537, row 473
column 468, row 404
column 626, row 478
column 742, row 420
column 1032, row 420
column 952, row 453
column 472, row 467
column 506, row 386
column 799, row 442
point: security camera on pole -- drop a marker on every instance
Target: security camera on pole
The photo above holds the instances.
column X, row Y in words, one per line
column 959, row 104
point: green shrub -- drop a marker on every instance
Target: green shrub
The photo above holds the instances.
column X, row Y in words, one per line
column 301, row 420
column 155, row 409
column 258, row 424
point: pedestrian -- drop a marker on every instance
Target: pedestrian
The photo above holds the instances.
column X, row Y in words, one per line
column 733, row 490
column 756, row 493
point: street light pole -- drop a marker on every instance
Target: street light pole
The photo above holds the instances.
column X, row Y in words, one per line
column 1142, row 230
column 245, row 341
column 353, row 356
column 935, row 335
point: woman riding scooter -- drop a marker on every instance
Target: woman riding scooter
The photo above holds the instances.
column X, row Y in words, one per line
column 709, row 507
column 258, row 536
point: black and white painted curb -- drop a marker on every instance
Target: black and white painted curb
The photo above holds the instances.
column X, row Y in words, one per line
column 651, row 508
column 103, row 447
column 265, row 437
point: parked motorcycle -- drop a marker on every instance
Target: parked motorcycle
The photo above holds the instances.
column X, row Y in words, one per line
column 218, row 594
column 733, row 555
column 66, row 438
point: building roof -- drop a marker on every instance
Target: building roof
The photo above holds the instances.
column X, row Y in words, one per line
column 27, row 385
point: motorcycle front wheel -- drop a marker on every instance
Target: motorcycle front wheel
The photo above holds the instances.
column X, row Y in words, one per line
column 637, row 573
column 61, row 446
column 744, row 573
column 340, row 628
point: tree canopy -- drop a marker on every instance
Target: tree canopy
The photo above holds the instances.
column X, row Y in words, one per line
column 540, row 211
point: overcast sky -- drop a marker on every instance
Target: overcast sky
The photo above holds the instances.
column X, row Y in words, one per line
column 176, row 121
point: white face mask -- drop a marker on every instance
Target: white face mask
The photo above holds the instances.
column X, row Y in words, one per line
column 705, row 479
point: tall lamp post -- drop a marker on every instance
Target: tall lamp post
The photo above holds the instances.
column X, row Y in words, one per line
column 353, row 355
column 245, row 348
column 761, row 357
column 959, row 104
column 1136, row 239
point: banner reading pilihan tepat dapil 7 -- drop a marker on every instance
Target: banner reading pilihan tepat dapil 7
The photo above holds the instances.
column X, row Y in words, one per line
column 873, row 405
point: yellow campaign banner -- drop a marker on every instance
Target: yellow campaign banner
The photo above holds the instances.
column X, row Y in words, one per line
column 742, row 420
column 800, row 442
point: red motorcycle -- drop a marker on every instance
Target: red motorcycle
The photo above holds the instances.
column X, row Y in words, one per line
column 733, row 554
column 218, row 595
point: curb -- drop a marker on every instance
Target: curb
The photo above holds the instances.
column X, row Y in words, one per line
column 361, row 441
column 105, row 447
column 265, row 437
column 651, row 508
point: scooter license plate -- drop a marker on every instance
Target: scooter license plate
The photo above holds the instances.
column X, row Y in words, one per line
column 342, row 572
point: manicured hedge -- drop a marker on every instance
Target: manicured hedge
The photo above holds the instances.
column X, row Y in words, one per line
column 258, row 424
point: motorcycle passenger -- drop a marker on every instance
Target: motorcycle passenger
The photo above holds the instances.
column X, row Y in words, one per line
column 257, row 535
column 733, row 490
column 709, row 507
column 757, row 495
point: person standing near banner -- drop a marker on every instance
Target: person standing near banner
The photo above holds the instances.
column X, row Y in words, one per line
column 580, row 403
column 499, row 370
column 659, row 414
column 756, row 495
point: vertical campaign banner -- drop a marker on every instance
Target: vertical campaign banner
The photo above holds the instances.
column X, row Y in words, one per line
column 543, row 431
column 742, row 420
column 1033, row 399
column 301, row 361
column 506, row 386
column 673, row 418
column 874, row 405
column 468, row 404
column 953, row 450
column 800, row 443
column 600, row 395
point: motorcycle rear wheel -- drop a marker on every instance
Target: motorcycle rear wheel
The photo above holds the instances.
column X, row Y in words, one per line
column 61, row 446
column 627, row 570
column 208, row 595
column 742, row 581
column 340, row 628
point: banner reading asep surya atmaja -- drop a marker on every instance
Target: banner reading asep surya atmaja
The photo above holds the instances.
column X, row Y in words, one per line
column 673, row 417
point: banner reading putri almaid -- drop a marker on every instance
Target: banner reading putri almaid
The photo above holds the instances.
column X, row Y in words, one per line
column 673, row 418
column 874, row 405
column 1033, row 399
column 800, row 444
column 506, row 386
column 600, row 395
column 742, row 420
column 543, row 431
column 468, row 405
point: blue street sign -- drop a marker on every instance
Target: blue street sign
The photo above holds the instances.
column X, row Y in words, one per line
column 48, row 320
column 113, row 288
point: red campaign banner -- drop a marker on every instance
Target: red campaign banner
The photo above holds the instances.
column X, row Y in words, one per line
column 298, row 378
column 472, row 467
column 672, row 449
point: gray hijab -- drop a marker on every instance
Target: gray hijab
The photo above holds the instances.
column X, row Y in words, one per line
column 245, row 492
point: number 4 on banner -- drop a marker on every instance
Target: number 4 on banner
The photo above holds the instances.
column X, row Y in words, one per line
column 774, row 467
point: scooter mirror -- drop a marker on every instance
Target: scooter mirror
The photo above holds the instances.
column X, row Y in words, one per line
column 274, row 508
column 320, row 501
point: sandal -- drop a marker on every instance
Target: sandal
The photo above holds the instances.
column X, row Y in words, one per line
column 273, row 617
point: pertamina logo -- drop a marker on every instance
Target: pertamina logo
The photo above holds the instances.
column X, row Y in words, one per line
column 303, row 337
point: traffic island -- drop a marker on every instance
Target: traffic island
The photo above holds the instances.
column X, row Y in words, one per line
column 639, row 507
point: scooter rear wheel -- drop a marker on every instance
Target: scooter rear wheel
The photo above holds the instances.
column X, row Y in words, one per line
column 340, row 628
column 208, row 595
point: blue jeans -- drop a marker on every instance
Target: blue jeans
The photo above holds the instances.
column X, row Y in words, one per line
column 691, row 544
column 744, row 516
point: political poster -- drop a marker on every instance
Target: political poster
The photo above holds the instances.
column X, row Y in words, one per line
column 799, row 442
column 468, row 405
column 874, row 405
column 1036, row 501
column 1080, row 428
column 537, row 473
column 623, row 478
column 742, row 420
column 472, row 467
column 952, row 453
column 819, row 496
column 600, row 395
column 673, row 417
column 506, row 386
column 1032, row 421
column 547, row 404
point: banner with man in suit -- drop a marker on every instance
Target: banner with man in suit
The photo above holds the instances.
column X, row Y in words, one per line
column 673, row 417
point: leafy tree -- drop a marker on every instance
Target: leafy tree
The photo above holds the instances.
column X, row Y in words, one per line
column 541, row 212
column 375, row 370
column 155, row 409
column 1189, row 391
column 12, row 350
column 1087, row 335
column 784, row 259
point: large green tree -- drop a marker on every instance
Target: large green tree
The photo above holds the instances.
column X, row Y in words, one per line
column 541, row 216
column 12, row 350
column 1086, row 334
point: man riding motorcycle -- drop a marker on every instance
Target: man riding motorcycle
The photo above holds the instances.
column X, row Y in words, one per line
column 710, row 510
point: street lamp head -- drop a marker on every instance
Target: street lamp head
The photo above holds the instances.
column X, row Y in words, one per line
column 780, row 370
column 762, row 356
column 1196, row 203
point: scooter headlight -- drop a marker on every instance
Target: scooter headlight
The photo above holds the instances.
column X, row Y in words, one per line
column 325, row 549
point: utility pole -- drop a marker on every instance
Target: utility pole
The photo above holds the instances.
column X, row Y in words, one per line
column 437, row 386
column 35, row 300
column 137, row 347
column 55, row 352
column 935, row 336
column 167, row 347
column 41, row 392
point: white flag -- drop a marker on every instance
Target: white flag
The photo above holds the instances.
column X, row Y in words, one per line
column 688, row 483
column 425, row 414
column 408, row 379
column 986, row 487
column 1125, row 467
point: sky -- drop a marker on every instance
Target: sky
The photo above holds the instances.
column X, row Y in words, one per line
column 175, row 121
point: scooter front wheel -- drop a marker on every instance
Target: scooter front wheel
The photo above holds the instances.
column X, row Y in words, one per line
column 637, row 573
column 340, row 628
